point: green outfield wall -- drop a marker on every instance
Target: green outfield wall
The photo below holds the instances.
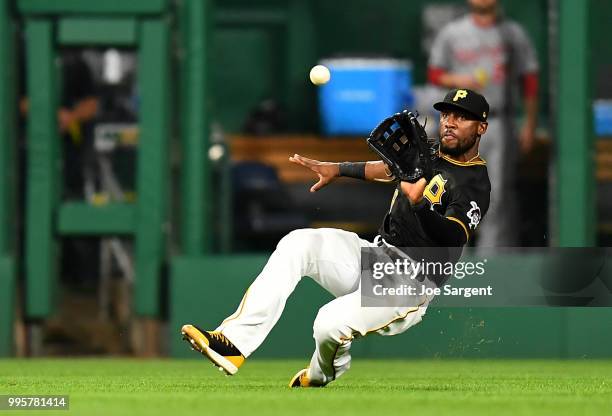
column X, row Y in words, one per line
column 8, row 178
column 7, row 305
column 206, row 290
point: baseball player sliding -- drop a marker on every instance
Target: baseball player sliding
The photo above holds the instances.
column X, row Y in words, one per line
column 442, row 194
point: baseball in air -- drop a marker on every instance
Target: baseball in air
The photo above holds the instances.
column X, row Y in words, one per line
column 319, row 75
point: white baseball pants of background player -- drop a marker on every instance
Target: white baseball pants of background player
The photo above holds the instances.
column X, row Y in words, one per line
column 332, row 258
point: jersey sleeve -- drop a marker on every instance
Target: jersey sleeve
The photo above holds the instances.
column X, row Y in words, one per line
column 467, row 207
column 526, row 59
column 444, row 231
column 441, row 54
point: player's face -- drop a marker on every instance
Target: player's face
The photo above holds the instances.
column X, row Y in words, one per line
column 483, row 6
column 459, row 132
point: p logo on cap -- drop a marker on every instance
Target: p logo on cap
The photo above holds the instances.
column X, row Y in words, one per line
column 460, row 94
column 465, row 100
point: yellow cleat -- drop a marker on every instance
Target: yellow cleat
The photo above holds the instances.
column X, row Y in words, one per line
column 216, row 347
column 300, row 379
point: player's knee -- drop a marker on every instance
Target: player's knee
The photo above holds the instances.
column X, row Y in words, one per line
column 322, row 328
column 300, row 241
column 327, row 327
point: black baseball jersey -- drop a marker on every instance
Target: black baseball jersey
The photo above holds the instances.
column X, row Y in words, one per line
column 458, row 191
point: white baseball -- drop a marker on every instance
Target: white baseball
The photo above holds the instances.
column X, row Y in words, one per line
column 319, row 75
column 216, row 152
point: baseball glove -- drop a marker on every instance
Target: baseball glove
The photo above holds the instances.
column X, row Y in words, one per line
column 402, row 144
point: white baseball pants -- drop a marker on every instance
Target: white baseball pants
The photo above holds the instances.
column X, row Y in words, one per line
column 332, row 258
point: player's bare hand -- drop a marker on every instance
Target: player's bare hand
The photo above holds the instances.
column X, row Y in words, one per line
column 527, row 139
column 326, row 171
column 65, row 119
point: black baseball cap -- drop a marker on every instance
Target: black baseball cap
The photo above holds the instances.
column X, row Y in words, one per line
column 467, row 100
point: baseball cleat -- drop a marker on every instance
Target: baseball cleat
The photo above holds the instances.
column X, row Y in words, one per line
column 300, row 379
column 215, row 346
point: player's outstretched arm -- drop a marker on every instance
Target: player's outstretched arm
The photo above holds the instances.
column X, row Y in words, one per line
column 378, row 171
column 329, row 171
column 326, row 171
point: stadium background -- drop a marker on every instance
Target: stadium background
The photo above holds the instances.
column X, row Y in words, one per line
column 207, row 65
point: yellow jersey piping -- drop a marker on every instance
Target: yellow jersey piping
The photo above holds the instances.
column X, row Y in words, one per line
column 479, row 162
column 458, row 221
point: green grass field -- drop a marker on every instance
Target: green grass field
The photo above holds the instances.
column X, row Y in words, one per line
column 380, row 388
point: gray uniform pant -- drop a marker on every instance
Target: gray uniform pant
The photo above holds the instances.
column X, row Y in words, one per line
column 499, row 147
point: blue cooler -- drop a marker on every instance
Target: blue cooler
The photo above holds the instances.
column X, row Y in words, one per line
column 362, row 92
column 602, row 112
